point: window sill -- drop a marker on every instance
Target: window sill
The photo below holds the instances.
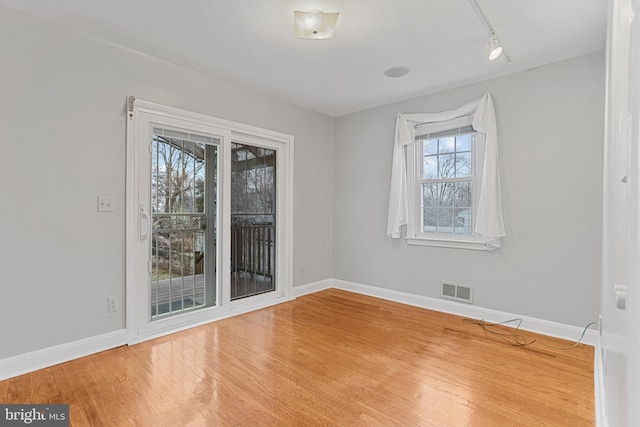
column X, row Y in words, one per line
column 448, row 243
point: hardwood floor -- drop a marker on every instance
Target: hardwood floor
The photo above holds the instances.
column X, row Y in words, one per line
column 330, row 358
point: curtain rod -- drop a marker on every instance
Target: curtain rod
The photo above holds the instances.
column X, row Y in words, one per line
column 440, row 121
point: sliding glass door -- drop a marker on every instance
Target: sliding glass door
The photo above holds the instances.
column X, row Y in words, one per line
column 253, row 220
column 208, row 219
column 184, row 176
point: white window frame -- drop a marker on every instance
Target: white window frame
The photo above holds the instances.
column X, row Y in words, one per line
column 415, row 235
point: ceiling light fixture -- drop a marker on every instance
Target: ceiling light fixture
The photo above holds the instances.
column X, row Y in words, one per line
column 495, row 48
column 314, row 24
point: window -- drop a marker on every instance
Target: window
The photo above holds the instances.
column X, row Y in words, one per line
column 445, row 185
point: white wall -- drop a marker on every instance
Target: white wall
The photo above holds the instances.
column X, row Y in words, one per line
column 633, row 284
column 620, row 340
column 62, row 115
column 550, row 124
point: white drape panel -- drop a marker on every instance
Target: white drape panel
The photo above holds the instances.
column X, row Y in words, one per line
column 489, row 226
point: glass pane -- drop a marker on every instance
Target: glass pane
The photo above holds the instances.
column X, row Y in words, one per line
column 447, row 145
column 445, row 193
column 184, row 181
column 463, row 194
column 447, row 165
column 253, row 225
column 429, row 220
column 429, row 195
column 430, row 147
column 463, row 142
column 445, row 220
column 199, row 173
column 430, row 167
column 463, row 165
column 462, row 221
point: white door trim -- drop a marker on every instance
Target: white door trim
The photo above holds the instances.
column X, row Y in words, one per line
column 138, row 124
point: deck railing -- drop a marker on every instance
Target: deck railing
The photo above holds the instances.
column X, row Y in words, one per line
column 252, row 259
column 178, row 279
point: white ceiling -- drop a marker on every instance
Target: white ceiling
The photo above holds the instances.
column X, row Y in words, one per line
column 249, row 42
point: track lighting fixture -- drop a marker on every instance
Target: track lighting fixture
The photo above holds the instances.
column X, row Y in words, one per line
column 495, row 47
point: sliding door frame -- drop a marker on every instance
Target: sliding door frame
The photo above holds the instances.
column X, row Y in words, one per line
column 141, row 117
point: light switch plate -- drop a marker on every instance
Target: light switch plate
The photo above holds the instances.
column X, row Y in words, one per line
column 112, row 304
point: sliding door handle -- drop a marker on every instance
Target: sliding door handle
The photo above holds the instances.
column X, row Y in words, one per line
column 144, row 224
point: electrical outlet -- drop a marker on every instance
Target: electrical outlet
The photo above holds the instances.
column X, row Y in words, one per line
column 106, row 204
column 112, row 304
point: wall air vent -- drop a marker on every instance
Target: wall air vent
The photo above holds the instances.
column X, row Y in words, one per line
column 457, row 292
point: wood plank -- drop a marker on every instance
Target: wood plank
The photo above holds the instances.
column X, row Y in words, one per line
column 329, row 358
column 169, row 290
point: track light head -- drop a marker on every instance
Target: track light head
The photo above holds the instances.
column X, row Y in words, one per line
column 495, row 49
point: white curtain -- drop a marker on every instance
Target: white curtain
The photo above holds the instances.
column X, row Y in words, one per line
column 489, row 226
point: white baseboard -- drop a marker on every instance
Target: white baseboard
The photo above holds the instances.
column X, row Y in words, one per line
column 28, row 362
column 531, row 324
column 310, row 288
column 39, row 359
